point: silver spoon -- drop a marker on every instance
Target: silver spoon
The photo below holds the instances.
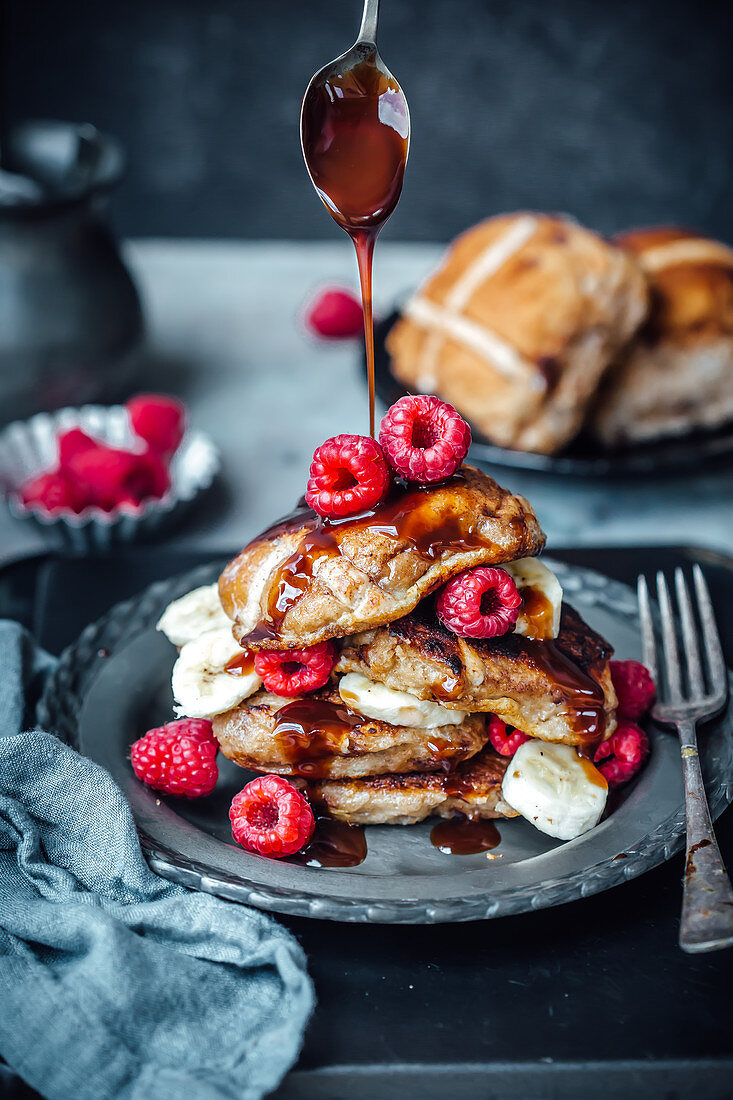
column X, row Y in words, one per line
column 355, row 136
column 355, row 132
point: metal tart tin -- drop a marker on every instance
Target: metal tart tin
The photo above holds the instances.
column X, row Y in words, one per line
column 27, row 448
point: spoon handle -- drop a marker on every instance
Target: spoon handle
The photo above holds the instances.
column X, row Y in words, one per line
column 368, row 29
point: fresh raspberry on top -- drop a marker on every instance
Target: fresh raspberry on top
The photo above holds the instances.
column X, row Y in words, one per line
column 348, row 474
column 424, row 438
column 178, row 758
column 159, row 420
column 335, row 314
column 505, row 739
column 480, row 603
column 73, row 442
column 621, row 756
column 271, row 817
column 51, row 491
column 292, row 672
column 634, row 688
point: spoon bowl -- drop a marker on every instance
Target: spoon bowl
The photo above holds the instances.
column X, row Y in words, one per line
column 355, row 136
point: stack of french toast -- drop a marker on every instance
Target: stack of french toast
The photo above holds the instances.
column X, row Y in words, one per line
column 384, row 659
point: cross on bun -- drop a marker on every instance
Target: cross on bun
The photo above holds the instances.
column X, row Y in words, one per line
column 518, row 326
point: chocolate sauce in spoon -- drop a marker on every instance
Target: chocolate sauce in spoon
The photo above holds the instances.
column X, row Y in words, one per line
column 355, row 133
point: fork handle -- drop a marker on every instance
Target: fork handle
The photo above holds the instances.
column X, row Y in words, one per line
column 707, row 897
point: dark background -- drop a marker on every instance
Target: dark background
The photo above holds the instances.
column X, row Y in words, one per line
column 617, row 112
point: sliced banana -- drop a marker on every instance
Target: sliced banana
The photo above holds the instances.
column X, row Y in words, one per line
column 560, row 792
column 201, row 684
column 192, row 615
column 532, row 573
column 398, row 708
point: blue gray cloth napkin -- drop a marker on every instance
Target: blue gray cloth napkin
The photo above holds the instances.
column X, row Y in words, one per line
column 114, row 982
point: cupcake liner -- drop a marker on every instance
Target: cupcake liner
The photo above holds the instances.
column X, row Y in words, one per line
column 27, row 448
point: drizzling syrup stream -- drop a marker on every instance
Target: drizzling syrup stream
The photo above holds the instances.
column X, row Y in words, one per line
column 355, row 132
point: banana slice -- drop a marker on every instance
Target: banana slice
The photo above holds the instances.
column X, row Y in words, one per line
column 201, row 684
column 542, row 618
column 193, row 615
column 560, row 792
column 398, row 708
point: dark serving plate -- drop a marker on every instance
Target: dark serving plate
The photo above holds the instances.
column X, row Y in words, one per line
column 114, row 683
column 583, row 457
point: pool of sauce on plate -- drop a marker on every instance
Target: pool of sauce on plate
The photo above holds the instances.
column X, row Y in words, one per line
column 463, row 836
column 309, row 732
column 334, row 844
column 355, row 139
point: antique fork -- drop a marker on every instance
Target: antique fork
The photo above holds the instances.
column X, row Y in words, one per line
column 707, row 900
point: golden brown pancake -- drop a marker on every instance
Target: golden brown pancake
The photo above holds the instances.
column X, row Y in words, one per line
column 555, row 691
column 304, row 580
column 327, row 739
column 474, row 788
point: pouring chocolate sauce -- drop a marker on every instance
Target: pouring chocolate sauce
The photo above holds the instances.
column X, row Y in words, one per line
column 355, row 135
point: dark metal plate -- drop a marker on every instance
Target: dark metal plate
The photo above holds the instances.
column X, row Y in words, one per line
column 114, row 683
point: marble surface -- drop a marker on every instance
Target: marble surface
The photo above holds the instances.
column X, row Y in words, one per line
column 226, row 334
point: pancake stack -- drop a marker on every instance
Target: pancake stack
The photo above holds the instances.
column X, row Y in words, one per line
column 401, row 730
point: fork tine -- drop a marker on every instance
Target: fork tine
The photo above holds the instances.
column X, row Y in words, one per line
column 711, row 638
column 669, row 639
column 649, row 649
column 695, row 681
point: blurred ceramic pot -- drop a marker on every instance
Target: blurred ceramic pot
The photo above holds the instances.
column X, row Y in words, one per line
column 71, row 325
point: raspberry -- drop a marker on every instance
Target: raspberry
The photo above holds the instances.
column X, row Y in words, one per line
column 159, row 420
column 106, row 476
column 335, row 314
column 51, row 491
column 101, row 474
column 505, row 739
column 622, row 754
column 178, row 758
column 480, row 603
column 348, row 474
column 634, row 688
column 424, row 438
column 149, row 477
column 291, row 672
column 73, row 442
column 271, row 817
